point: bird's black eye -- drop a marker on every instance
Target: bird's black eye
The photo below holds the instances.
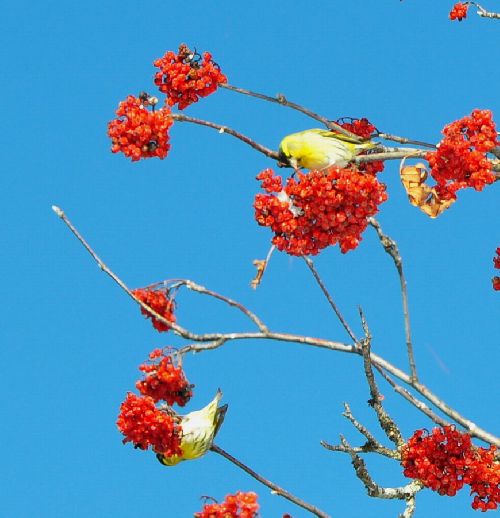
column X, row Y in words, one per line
column 282, row 158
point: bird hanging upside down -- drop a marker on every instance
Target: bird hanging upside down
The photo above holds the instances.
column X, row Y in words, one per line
column 198, row 431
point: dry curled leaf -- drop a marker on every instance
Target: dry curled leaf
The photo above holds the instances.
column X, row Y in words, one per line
column 260, row 264
column 419, row 193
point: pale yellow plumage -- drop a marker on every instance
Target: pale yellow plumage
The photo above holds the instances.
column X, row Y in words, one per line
column 317, row 149
column 198, row 431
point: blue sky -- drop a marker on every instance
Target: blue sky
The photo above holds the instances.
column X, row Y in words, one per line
column 72, row 340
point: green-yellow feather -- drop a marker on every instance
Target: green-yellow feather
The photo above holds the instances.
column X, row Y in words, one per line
column 199, row 429
column 317, row 149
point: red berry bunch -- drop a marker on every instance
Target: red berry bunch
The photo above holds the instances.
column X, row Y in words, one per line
column 144, row 425
column 140, row 133
column 318, row 209
column 445, row 459
column 365, row 129
column 460, row 160
column 159, row 301
column 165, row 379
column 496, row 264
column 459, row 11
column 186, row 76
column 239, row 505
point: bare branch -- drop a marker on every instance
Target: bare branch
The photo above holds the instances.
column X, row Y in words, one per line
column 391, row 248
column 404, row 140
column 213, row 340
column 323, row 288
column 481, row 11
column 225, row 129
column 373, row 489
column 417, row 403
column 371, row 445
column 386, row 422
column 281, row 99
column 204, row 291
column 275, row 489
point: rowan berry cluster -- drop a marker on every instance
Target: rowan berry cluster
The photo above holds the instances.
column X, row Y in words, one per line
column 144, row 425
column 160, row 302
column 318, row 209
column 239, row 505
column 445, row 460
column 164, row 379
column 186, row 76
column 496, row 264
column 138, row 132
column 365, row 129
column 459, row 11
column 460, row 160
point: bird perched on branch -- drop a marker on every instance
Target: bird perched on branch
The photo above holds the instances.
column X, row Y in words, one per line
column 317, row 149
column 198, row 431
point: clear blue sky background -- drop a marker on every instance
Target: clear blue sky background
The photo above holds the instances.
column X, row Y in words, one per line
column 72, row 341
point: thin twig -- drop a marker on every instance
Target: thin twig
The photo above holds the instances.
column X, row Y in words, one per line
column 277, row 490
column 417, row 403
column 373, row 489
column 366, row 448
column 386, row 422
column 404, row 140
column 391, row 248
column 225, row 129
column 205, row 291
column 325, row 291
column 481, row 11
column 281, row 99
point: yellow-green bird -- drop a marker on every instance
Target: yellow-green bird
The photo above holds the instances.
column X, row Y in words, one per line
column 198, row 431
column 317, row 149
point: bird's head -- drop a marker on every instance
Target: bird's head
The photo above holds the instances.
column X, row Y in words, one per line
column 285, row 155
column 169, row 461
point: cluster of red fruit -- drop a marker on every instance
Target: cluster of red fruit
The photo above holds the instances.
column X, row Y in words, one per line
column 183, row 77
column 144, row 425
column 365, row 129
column 460, row 160
column 160, row 302
column 140, row 133
column 165, row 379
column 318, row 209
column 459, row 11
column 496, row 264
column 239, row 505
column 186, row 76
column 141, row 421
column 445, row 460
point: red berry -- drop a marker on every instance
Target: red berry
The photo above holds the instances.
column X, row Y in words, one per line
column 145, row 425
column 318, row 209
column 460, row 160
column 186, row 76
column 140, row 133
column 459, row 11
column 239, row 505
column 159, row 301
column 165, row 379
